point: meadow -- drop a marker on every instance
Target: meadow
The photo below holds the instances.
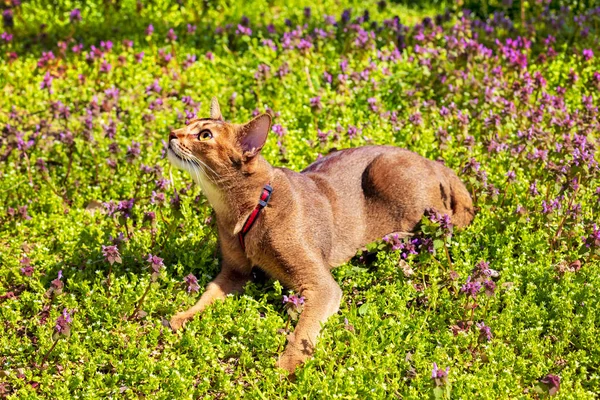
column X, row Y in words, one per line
column 102, row 241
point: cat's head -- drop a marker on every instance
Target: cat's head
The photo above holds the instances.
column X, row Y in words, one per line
column 215, row 151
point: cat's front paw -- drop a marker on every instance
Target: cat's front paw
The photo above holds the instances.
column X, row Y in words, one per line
column 293, row 356
column 177, row 321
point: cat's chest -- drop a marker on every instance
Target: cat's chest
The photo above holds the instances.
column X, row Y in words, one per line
column 212, row 193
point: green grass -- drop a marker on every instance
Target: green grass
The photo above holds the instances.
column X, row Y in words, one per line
column 392, row 326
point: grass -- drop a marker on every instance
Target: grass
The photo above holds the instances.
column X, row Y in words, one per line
column 445, row 89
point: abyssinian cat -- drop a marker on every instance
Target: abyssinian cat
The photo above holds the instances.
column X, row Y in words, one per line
column 297, row 226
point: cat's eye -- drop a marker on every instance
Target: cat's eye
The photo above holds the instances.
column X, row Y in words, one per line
column 205, row 135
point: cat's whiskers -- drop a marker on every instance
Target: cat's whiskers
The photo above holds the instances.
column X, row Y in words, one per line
column 204, row 166
column 187, row 162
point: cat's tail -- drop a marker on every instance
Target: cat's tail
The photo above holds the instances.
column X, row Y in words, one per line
column 461, row 202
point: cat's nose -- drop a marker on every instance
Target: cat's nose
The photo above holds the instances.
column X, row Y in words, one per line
column 172, row 136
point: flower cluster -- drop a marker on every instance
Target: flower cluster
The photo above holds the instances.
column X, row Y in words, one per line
column 63, row 323
column 111, row 254
column 293, row 305
column 156, row 265
column 439, row 375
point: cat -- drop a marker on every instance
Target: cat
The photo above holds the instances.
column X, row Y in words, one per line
column 297, row 226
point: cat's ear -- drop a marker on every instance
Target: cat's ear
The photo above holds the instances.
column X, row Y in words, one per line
column 215, row 109
column 253, row 135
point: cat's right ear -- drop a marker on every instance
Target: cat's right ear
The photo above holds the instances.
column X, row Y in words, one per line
column 253, row 135
column 215, row 110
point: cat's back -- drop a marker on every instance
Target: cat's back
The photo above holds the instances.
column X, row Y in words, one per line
column 350, row 160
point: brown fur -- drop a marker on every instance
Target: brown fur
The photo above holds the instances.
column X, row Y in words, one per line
column 316, row 219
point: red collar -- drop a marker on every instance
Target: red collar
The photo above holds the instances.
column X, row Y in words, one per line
column 262, row 203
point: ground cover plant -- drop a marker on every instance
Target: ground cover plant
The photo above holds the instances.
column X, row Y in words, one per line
column 101, row 241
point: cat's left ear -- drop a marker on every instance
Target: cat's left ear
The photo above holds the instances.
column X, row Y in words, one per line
column 253, row 135
column 215, row 109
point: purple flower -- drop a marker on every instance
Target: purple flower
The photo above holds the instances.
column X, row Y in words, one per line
column 105, row 67
column 165, row 56
column 110, row 130
column 7, row 37
column 7, row 18
column 307, row 12
column 111, row 93
column 23, row 213
column 157, row 197
column 278, row 130
column 593, row 240
column 243, row 30
column 283, row 70
column 47, row 82
column 440, row 376
column 485, row 333
column 352, row 132
column 162, row 183
column 510, row 176
column 315, row 103
column 533, row 190
column 156, row 104
column 189, row 61
column 269, row 43
column 27, row 269
column 373, row 104
column 295, row 300
column 110, row 207
column 63, row 323
column 156, row 264
column 415, row 119
column 57, row 283
column 75, row 15
column 490, row 287
column 293, row 305
column 154, row 87
column 483, row 270
column 329, row 19
column 588, row 54
column 112, row 255
column 346, row 16
column 46, row 57
column 149, row 216
column 191, row 283
column 176, row 200
column 125, row 207
column 149, row 30
column 471, row 288
column 133, row 151
column 106, row 45
column 171, row 36
column 443, row 220
column 139, row 57
column 552, row 382
column 77, row 48
column 322, row 135
column 262, row 72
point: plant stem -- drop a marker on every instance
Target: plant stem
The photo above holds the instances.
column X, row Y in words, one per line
column 48, row 353
column 108, row 279
column 137, row 308
column 447, row 253
column 566, row 214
